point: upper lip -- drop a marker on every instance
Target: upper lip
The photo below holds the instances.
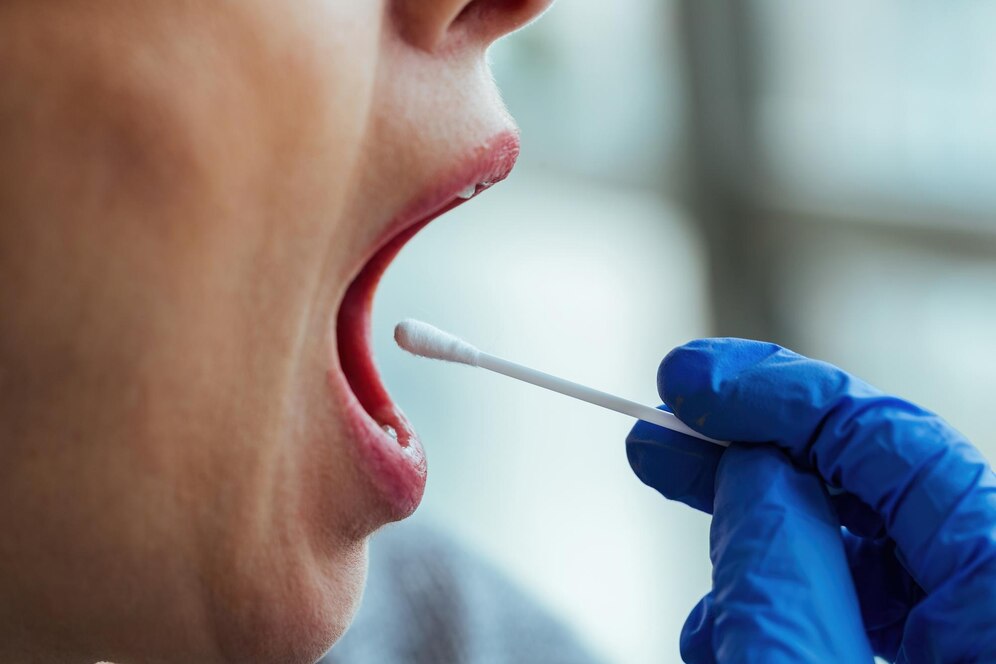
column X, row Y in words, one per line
column 397, row 468
column 485, row 166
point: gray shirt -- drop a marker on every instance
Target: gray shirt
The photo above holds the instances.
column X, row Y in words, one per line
column 430, row 602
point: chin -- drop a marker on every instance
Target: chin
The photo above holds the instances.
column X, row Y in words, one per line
column 292, row 614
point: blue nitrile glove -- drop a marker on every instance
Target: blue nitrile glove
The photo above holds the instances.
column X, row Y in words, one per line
column 789, row 584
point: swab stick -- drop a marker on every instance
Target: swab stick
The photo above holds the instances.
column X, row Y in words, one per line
column 424, row 340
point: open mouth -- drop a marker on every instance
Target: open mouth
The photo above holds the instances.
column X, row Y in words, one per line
column 353, row 334
column 389, row 447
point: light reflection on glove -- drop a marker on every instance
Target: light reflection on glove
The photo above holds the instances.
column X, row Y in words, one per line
column 911, row 577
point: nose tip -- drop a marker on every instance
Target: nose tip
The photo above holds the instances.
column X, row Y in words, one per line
column 493, row 19
column 431, row 25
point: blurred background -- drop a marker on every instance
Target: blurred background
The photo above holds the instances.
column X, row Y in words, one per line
column 818, row 174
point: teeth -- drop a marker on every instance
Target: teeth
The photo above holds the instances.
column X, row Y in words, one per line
column 468, row 192
column 389, row 430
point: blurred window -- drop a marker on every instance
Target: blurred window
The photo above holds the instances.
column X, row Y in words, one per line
column 881, row 109
column 845, row 159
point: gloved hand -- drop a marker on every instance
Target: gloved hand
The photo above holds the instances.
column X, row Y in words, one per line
column 912, row 575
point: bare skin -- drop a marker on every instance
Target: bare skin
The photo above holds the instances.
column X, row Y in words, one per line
column 185, row 191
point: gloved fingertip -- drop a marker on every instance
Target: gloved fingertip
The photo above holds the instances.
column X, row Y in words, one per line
column 685, row 371
column 681, row 468
column 693, row 379
column 695, row 642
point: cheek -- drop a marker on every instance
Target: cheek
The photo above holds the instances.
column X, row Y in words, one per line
column 312, row 78
column 318, row 94
column 320, row 86
column 314, row 75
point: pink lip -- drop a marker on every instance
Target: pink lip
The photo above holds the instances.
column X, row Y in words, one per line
column 397, row 467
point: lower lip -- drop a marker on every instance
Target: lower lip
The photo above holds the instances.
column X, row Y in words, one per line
column 396, row 465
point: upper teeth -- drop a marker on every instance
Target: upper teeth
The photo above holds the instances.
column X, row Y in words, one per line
column 468, row 192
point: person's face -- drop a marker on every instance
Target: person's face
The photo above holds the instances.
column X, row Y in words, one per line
column 191, row 199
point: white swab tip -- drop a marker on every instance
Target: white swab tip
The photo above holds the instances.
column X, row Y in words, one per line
column 424, row 340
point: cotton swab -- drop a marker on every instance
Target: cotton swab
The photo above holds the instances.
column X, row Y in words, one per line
column 424, row 340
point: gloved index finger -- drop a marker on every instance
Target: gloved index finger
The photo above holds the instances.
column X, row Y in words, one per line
column 934, row 490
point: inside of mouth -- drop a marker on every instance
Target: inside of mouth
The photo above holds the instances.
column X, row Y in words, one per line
column 353, row 336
